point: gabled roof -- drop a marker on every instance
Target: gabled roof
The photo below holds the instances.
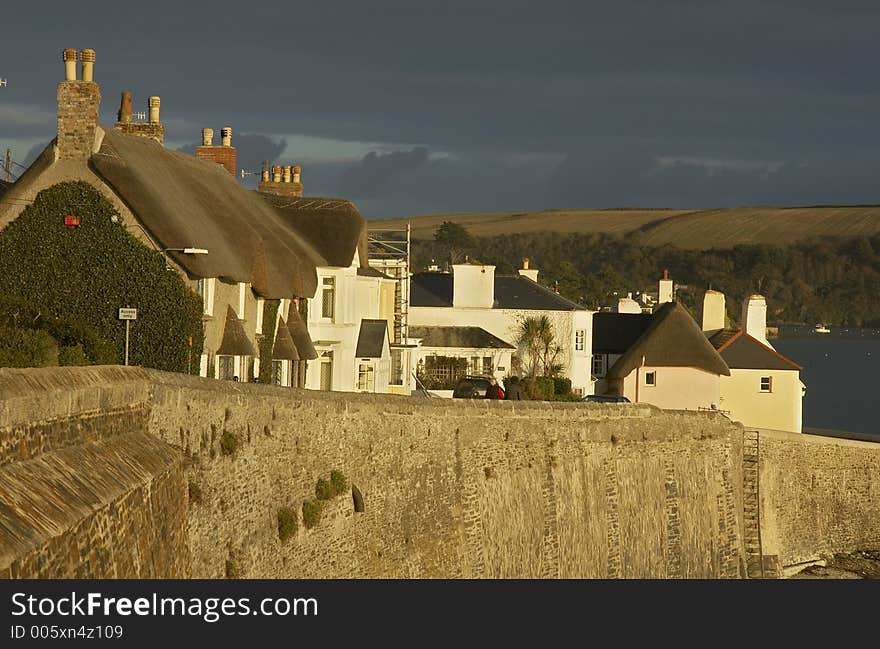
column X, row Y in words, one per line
column 673, row 339
column 284, row 349
column 614, row 333
column 466, row 337
column 333, row 226
column 235, row 341
column 435, row 289
column 369, row 271
column 182, row 201
column 371, row 338
column 743, row 352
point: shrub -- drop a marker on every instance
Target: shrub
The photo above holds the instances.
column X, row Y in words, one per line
column 561, row 385
column 311, row 513
column 228, row 442
column 339, row 482
column 27, row 348
column 287, row 523
column 74, row 355
column 323, row 490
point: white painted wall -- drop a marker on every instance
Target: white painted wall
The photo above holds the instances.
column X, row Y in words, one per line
column 779, row 409
column 676, row 388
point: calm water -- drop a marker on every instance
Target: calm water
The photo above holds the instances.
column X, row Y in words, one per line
column 840, row 372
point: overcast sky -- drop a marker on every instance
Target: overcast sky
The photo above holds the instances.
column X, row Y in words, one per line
column 417, row 107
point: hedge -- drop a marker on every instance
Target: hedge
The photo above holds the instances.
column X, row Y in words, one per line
column 84, row 274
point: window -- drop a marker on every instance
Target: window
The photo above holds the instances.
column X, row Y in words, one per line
column 260, row 304
column 766, row 384
column 580, row 340
column 299, row 374
column 650, row 378
column 225, row 367
column 328, row 297
column 205, row 289
column 327, row 371
column 396, row 367
column 487, row 364
column 578, row 392
column 598, row 365
column 365, row 377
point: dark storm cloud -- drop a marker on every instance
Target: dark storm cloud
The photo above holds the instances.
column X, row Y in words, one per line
column 608, row 86
column 377, row 170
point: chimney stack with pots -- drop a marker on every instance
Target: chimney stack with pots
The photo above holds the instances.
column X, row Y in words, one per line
column 78, row 106
column 153, row 129
column 284, row 181
column 529, row 273
column 225, row 154
column 665, row 291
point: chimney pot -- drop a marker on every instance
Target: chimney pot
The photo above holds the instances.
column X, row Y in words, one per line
column 226, row 135
column 525, row 263
column 154, row 103
column 296, row 173
column 125, row 108
column 276, row 173
column 665, row 273
column 207, row 136
column 87, row 57
column 69, row 57
column 286, row 173
column 264, row 177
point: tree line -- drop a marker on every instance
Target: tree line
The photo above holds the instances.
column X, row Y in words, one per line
column 835, row 281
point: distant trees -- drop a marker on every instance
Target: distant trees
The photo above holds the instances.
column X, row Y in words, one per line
column 454, row 240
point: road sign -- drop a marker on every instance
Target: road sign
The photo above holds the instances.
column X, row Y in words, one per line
column 128, row 314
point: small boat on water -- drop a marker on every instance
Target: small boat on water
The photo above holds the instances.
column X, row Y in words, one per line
column 821, row 329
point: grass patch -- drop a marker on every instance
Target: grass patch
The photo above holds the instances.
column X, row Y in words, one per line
column 195, row 492
column 311, row 513
column 228, row 442
column 323, row 490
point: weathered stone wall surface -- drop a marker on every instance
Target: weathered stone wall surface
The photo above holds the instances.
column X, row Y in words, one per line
column 818, row 495
column 85, row 491
column 124, row 472
column 452, row 489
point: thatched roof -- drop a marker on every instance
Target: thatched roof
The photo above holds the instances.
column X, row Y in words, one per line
column 300, row 335
column 673, row 339
column 186, row 202
column 235, row 341
column 333, row 226
column 284, row 349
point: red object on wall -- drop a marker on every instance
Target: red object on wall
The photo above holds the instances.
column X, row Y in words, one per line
column 71, row 220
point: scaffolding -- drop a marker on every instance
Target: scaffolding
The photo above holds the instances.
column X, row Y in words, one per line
column 389, row 252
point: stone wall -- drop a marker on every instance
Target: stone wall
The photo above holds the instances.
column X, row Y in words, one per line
column 124, row 472
column 78, row 103
column 818, row 495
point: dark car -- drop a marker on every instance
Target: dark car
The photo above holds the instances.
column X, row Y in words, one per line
column 471, row 387
column 605, row 398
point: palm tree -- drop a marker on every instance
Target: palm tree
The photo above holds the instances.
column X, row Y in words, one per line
column 535, row 336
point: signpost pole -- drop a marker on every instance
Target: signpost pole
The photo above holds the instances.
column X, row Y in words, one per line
column 127, row 327
column 127, row 314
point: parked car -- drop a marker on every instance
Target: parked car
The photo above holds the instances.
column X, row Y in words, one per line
column 605, row 398
column 471, row 387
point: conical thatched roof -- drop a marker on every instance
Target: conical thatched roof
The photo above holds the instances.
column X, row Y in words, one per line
column 235, row 341
column 300, row 335
column 284, row 349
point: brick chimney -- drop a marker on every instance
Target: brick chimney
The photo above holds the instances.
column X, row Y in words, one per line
column 225, row 154
column 284, row 181
column 525, row 271
column 78, row 106
column 153, row 129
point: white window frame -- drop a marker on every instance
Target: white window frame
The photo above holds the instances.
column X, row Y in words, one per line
column 205, row 289
column 601, row 359
column 328, row 285
column 393, row 379
column 580, row 340
column 367, row 370
column 653, row 375
column 769, row 388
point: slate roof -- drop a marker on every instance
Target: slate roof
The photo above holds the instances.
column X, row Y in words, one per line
column 467, row 337
column 235, row 341
column 186, row 202
column 284, row 349
column 741, row 351
column 511, row 292
column 614, row 333
column 371, row 338
column 673, row 339
column 369, row 271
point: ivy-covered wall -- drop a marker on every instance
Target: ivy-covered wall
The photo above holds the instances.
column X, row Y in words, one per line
column 85, row 273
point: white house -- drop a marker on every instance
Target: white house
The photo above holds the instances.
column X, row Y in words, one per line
column 474, row 296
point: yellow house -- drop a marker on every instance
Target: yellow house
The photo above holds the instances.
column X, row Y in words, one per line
column 764, row 389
